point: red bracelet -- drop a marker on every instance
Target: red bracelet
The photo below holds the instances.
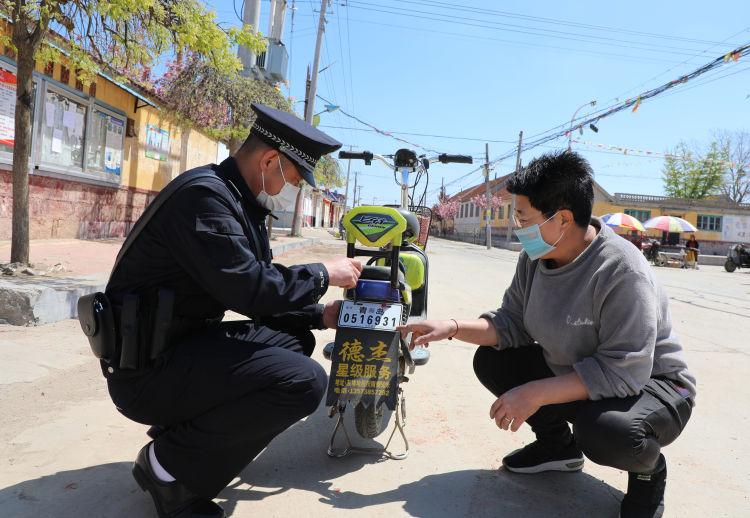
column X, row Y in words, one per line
column 456, row 332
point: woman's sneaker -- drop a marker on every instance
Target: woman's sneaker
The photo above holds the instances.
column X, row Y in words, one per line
column 645, row 496
column 538, row 457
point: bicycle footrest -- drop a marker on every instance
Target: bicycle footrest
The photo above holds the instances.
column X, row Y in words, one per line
column 328, row 350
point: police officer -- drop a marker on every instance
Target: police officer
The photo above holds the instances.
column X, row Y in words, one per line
column 216, row 393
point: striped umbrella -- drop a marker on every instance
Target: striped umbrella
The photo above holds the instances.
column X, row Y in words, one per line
column 669, row 224
column 619, row 219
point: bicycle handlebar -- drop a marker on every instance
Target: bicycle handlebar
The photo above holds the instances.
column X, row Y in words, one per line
column 443, row 158
column 365, row 155
column 458, row 159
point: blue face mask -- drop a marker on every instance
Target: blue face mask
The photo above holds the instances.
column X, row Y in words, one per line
column 532, row 241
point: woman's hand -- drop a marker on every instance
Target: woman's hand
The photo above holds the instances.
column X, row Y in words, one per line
column 422, row 333
column 514, row 407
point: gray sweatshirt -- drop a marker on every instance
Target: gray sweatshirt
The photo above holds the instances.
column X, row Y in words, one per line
column 604, row 316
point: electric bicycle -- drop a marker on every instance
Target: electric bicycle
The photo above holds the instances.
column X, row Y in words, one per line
column 370, row 360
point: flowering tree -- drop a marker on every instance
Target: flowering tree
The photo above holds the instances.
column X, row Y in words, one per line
column 480, row 200
column 445, row 210
column 218, row 101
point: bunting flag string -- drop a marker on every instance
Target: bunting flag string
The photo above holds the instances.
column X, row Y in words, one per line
column 649, row 153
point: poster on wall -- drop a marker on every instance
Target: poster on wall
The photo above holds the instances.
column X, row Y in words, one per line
column 7, row 107
column 736, row 229
column 113, row 146
column 157, row 143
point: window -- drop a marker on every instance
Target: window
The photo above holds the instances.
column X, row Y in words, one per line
column 709, row 223
column 63, row 129
column 501, row 212
column 105, row 140
column 640, row 215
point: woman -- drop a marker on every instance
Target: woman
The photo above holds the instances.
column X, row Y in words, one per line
column 583, row 336
column 691, row 251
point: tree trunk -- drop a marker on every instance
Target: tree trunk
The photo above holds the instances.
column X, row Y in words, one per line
column 19, row 251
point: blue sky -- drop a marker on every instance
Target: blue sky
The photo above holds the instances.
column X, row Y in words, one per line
column 485, row 70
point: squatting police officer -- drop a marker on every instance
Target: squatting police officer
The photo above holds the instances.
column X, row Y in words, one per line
column 216, row 393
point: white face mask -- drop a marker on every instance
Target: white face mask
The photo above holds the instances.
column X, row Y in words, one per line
column 286, row 198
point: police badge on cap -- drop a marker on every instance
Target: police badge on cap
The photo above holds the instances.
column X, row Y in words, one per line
column 293, row 137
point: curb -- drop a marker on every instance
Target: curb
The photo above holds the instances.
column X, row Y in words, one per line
column 44, row 300
column 28, row 301
column 282, row 248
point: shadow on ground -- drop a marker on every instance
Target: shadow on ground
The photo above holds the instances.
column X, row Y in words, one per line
column 296, row 461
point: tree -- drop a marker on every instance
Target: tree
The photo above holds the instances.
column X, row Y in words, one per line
column 328, row 172
column 219, row 102
column 480, row 200
column 445, row 210
column 736, row 145
column 687, row 174
column 126, row 35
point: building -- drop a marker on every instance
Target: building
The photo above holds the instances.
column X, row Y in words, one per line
column 720, row 222
column 99, row 153
column 469, row 223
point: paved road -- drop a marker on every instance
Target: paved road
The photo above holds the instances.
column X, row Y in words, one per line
column 65, row 451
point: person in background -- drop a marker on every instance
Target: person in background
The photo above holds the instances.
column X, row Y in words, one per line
column 691, row 251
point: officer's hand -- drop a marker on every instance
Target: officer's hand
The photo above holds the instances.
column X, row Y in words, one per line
column 331, row 314
column 343, row 272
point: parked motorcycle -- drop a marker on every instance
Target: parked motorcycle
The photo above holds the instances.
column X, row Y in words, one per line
column 738, row 257
column 652, row 251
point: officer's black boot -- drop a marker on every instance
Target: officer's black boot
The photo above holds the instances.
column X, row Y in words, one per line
column 172, row 499
column 645, row 496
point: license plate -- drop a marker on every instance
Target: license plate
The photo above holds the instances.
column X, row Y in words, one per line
column 370, row 315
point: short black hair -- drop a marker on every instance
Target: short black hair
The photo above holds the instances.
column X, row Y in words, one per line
column 253, row 142
column 557, row 180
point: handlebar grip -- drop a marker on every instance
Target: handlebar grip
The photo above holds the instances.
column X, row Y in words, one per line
column 458, row 159
column 365, row 155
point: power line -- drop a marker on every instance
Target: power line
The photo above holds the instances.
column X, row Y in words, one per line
column 515, row 43
column 378, row 130
column 483, row 23
column 555, row 21
column 617, row 97
column 635, row 102
column 421, row 134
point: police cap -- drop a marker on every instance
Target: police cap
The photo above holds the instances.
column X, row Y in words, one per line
column 293, row 137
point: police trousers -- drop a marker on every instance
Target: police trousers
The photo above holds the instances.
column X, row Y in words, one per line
column 223, row 394
column 625, row 433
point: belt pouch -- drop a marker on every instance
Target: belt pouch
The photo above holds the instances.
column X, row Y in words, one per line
column 129, row 352
column 162, row 322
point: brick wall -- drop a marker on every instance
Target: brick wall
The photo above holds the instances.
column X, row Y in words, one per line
column 70, row 209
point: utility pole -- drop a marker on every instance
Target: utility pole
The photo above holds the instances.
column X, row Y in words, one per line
column 354, row 192
column 310, row 105
column 488, row 208
column 348, row 171
column 310, row 109
column 359, row 195
column 512, row 212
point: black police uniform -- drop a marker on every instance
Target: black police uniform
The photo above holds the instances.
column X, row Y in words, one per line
column 221, row 390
